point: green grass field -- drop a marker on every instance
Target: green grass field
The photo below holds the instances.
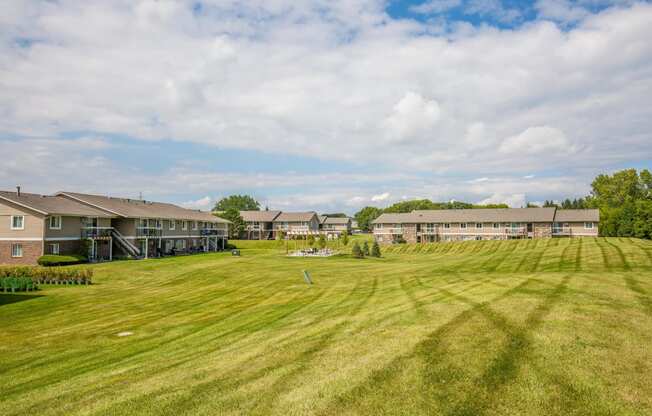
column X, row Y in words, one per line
column 539, row 327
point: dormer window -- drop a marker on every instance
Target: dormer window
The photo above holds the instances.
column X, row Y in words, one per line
column 17, row 222
column 55, row 222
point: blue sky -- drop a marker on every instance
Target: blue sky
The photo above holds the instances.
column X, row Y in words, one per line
column 324, row 105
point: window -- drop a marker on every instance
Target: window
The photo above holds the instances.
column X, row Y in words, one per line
column 142, row 223
column 496, row 225
column 463, row 225
column 184, row 225
column 447, row 225
column 172, row 224
column 588, row 225
column 18, row 222
column 54, row 248
column 16, row 250
column 194, row 225
column 478, row 225
column 89, row 222
column 55, row 223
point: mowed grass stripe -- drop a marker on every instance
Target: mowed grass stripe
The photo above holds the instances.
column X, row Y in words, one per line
column 479, row 327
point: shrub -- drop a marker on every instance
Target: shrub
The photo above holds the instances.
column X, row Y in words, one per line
column 365, row 248
column 230, row 246
column 356, row 251
column 58, row 260
column 35, row 275
column 345, row 238
column 375, row 249
column 322, row 241
column 311, row 240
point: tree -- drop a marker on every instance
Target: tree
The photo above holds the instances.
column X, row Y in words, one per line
column 356, row 251
column 365, row 216
column 335, row 215
column 375, row 249
column 532, row 205
column 237, row 202
column 322, row 241
column 345, row 238
column 237, row 225
column 311, row 240
column 365, row 249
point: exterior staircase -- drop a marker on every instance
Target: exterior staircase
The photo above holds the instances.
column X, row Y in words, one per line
column 124, row 245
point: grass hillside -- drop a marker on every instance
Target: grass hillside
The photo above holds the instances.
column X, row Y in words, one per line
column 548, row 327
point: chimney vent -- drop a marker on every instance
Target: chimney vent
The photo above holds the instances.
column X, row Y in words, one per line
column 18, row 190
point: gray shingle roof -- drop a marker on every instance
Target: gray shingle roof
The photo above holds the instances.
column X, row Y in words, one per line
column 470, row 215
column 259, row 216
column 336, row 220
column 577, row 215
column 295, row 216
column 136, row 208
column 52, row 205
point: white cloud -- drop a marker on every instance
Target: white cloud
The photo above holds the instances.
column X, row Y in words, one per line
column 512, row 200
column 435, row 6
column 205, row 203
column 538, row 140
column 381, row 197
column 560, row 10
column 411, row 117
column 315, row 79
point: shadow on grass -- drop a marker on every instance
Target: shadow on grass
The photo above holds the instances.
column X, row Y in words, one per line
column 9, row 298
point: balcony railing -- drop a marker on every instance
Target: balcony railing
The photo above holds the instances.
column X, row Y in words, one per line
column 96, row 232
column 149, row 232
column 561, row 230
column 212, row 232
column 388, row 231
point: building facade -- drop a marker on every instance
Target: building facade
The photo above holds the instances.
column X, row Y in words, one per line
column 101, row 227
column 259, row 225
column 485, row 224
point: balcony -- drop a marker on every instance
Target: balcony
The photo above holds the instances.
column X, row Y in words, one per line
column 561, row 231
column 210, row 232
column 96, row 233
column 148, row 232
column 393, row 231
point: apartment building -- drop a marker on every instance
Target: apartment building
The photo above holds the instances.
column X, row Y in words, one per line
column 32, row 225
column 296, row 223
column 333, row 227
column 485, row 224
column 259, row 225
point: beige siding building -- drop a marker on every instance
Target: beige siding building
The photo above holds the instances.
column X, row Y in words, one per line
column 297, row 223
column 259, row 225
column 333, row 227
column 33, row 225
column 485, row 224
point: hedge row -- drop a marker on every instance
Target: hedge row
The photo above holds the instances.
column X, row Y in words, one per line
column 17, row 284
column 59, row 260
column 47, row 275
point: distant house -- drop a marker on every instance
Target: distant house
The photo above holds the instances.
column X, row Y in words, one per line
column 35, row 225
column 259, row 225
column 335, row 226
column 297, row 223
column 485, row 224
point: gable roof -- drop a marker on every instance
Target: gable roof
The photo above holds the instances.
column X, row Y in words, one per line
column 337, row 220
column 136, row 208
column 52, row 205
column 322, row 218
column 395, row 218
column 259, row 216
column 577, row 215
column 295, row 216
column 486, row 215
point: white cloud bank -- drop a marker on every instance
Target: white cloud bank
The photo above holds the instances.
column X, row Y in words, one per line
column 338, row 80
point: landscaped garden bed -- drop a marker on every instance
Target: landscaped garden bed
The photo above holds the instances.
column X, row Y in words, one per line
column 28, row 278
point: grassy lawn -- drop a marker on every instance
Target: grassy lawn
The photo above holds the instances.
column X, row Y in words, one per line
column 545, row 327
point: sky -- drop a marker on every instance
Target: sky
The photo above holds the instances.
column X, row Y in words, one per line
column 323, row 105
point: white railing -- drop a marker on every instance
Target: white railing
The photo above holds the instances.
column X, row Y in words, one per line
column 388, row 231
